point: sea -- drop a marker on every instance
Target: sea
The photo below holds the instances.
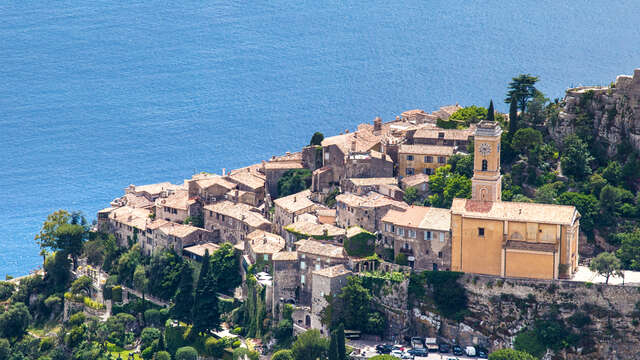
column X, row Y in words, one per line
column 97, row 95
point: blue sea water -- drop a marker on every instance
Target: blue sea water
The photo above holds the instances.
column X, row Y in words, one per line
column 96, row 95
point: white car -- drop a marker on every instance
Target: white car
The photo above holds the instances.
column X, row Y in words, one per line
column 406, row 356
column 397, row 353
column 470, row 351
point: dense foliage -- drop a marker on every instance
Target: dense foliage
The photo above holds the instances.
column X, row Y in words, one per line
column 294, row 181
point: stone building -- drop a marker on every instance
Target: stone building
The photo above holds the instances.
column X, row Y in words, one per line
column 251, row 183
column 327, row 281
column 419, row 182
column 305, row 229
column 196, row 252
column 233, row 222
column 161, row 234
column 368, row 164
column 422, row 233
column 418, row 116
column 276, row 167
column 422, row 159
column 288, row 208
column 361, row 186
column 365, row 211
column 315, row 255
column 152, row 191
column 509, row 239
column 443, row 137
column 126, row 223
column 260, row 246
column 177, row 207
column 286, row 279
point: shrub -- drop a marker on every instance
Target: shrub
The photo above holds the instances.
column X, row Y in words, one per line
column 92, row 304
column 360, row 245
column 6, row 290
column 116, row 293
column 236, row 344
column 186, row 353
column 283, row 355
column 214, row 347
column 528, row 342
column 401, row 259
column 239, row 353
column 162, row 355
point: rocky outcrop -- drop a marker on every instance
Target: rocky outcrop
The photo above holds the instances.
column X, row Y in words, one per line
column 611, row 113
column 499, row 309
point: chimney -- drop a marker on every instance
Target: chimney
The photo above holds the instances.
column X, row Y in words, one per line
column 287, row 153
column 294, row 198
column 353, row 146
column 377, row 124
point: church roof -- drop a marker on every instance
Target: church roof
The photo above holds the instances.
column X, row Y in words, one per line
column 515, row 211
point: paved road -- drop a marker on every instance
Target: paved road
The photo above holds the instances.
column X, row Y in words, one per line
column 368, row 349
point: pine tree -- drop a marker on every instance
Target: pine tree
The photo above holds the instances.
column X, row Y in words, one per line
column 183, row 300
column 513, row 117
column 342, row 351
column 491, row 112
column 161, row 345
column 205, row 308
column 333, row 346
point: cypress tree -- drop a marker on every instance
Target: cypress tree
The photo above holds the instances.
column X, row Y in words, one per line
column 183, row 300
column 205, row 308
column 333, row 346
column 513, row 116
column 342, row 350
column 490, row 112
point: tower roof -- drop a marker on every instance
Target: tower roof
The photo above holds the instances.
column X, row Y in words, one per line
column 488, row 128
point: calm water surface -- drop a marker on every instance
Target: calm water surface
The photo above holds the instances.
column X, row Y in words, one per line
column 95, row 95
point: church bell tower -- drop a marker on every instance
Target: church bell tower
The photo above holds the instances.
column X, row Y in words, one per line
column 486, row 184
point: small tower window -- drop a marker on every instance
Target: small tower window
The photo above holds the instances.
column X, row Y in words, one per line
column 480, row 231
column 484, row 165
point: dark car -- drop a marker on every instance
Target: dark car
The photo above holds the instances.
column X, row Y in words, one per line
column 418, row 352
column 384, row 348
column 482, row 352
column 457, row 350
column 444, row 348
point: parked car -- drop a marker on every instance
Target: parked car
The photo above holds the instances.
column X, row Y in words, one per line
column 483, row 353
column 397, row 353
column 418, row 352
column 444, row 348
column 470, row 351
column 406, row 356
column 417, row 342
column 384, row 348
column 457, row 350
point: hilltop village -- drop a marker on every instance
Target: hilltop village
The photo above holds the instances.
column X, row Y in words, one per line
column 463, row 231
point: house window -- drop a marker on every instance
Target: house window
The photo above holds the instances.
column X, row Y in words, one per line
column 484, row 165
column 386, row 227
column 440, row 254
column 406, row 246
column 480, row 231
column 318, row 266
column 442, row 160
column 441, row 237
column 400, row 231
column 303, row 265
column 427, row 235
column 302, row 279
column 424, row 187
column 428, row 159
column 410, row 171
column 412, row 233
column 266, row 257
column 409, row 157
column 427, row 171
column 326, row 156
column 440, row 135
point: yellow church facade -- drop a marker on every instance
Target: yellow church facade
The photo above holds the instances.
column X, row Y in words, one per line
column 509, row 239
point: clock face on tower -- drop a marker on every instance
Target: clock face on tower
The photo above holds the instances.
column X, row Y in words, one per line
column 485, row 149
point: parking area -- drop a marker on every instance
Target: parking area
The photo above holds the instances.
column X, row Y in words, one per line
column 367, row 349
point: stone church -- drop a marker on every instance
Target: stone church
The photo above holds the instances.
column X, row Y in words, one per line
column 509, row 239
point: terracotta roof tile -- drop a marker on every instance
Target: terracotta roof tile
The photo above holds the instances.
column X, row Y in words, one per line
column 313, row 229
column 372, row 199
column 333, row 271
column 426, row 150
column 319, row 248
column 200, row 249
column 285, row 256
column 515, row 211
column 296, row 202
column 421, row 217
column 240, row 212
column 263, row 242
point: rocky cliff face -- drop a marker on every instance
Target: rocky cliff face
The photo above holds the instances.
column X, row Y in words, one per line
column 611, row 113
column 501, row 308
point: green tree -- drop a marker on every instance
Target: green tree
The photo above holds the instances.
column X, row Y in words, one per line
column 316, row 139
column 576, row 158
column 183, row 301
column 310, row 345
column 226, row 268
column 522, row 88
column 596, row 183
column 587, row 205
column 57, row 268
column 14, row 322
column 410, row 195
column 47, row 237
column 629, row 251
column 342, row 349
column 510, row 354
column 605, row 264
column 613, row 173
column 6, row 290
column 140, row 280
column 70, row 240
column 205, row 308
column 148, row 336
column 283, row 355
column 462, row 164
column 536, row 109
column 333, row 346
column 293, row 181
column 5, row 349
column 469, row 115
column 444, row 186
column 491, row 112
column 127, row 264
column 162, row 355
column 524, row 140
column 513, row 117
column 547, row 193
column 356, row 301
column 186, row 353
column 240, row 353
column 81, row 285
